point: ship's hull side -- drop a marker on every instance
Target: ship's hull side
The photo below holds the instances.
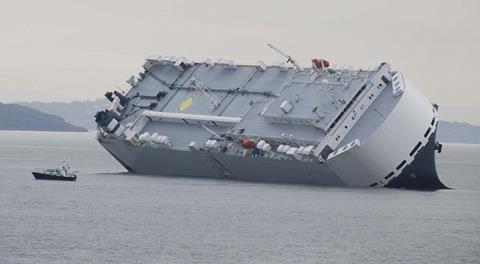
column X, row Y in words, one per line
column 402, row 144
column 384, row 136
column 203, row 164
column 419, row 174
column 399, row 153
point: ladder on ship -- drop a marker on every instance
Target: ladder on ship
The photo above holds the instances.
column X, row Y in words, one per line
column 217, row 165
column 204, row 91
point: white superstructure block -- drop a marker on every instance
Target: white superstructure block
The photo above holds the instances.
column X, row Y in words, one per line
column 286, row 106
column 262, row 66
column 112, row 124
column 211, row 143
column 398, row 84
column 267, row 147
column 291, row 151
column 260, row 144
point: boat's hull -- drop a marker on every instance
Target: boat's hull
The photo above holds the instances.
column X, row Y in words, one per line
column 399, row 153
column 43, row 176
column 202, row 164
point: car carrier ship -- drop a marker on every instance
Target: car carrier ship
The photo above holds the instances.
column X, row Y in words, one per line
column 323, row 124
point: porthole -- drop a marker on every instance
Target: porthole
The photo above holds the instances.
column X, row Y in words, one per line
column 389, row 175
column 401, row 165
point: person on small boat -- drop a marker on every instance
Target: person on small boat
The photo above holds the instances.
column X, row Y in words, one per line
column 66, row 168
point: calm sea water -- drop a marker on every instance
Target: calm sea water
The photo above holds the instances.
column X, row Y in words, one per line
column 109, row 216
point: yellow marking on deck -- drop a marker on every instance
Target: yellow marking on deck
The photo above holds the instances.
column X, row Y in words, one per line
column 185, row 104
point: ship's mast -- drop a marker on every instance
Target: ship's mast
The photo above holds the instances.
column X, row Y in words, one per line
column 283, row 54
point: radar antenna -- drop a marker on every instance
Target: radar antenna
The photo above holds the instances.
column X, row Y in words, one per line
column 288, row 57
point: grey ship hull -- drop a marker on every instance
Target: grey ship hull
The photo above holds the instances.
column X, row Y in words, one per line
column 334, row 127
column 420, row 174
column 168, row 162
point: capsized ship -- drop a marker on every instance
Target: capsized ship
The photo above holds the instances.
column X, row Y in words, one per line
column 327, row 125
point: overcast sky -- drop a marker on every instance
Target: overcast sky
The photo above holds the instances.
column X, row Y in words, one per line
column 69, row 50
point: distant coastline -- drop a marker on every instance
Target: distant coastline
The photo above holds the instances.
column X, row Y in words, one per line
column 79, row 113
column 457, row 132
column 22, row 118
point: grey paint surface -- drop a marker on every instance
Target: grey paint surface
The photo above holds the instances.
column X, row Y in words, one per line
column 330, row 109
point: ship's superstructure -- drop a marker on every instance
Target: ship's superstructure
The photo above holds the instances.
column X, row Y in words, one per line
column 325, row 125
